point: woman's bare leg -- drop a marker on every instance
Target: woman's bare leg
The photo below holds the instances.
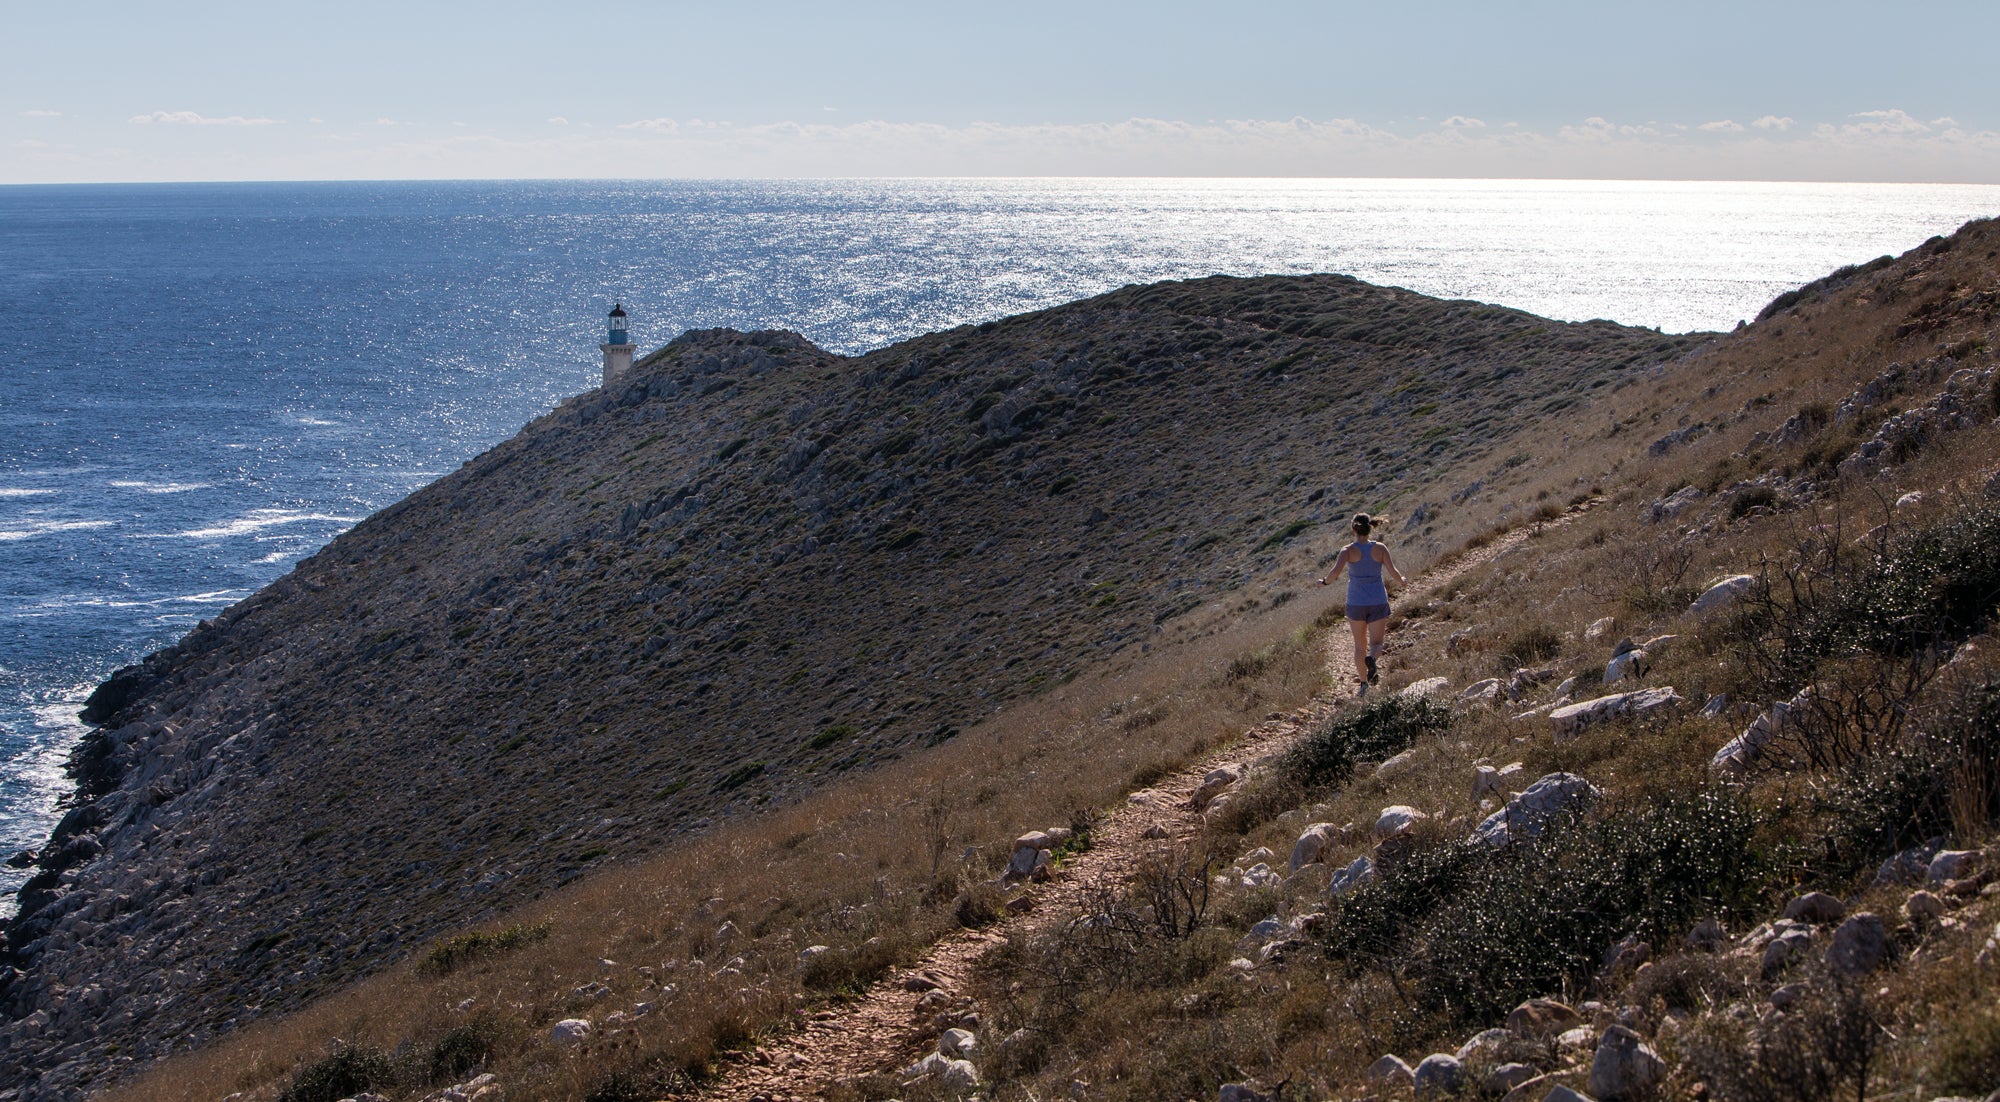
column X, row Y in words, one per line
column 1377, row 631
column 1361, row 632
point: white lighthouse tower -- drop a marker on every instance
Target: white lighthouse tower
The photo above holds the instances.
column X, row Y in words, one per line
column 617, row 348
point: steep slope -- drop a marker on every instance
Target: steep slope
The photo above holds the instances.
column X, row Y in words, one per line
column 753, row 566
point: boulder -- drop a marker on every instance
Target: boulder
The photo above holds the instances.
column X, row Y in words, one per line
column 1212, row 785
column 1396, row 820
column 1429, row 686
column 1722, row 592
column 1315, row 843
column 1505, row 1077
column 1911, row 866
column 1481, row 692
column 570, row 1031
column 1391, row 1071
column 1707, row 935
column 1527, row 814
column 1539, row 1018
column 1358, row 872
column 1624, row 1066
column 1782, row 949
column 1395, row 764
column 956, row 1044
column 1022, row 864
column 1243, row 1092
column 1859, row 946
column 1487, row 1046
column 1740, row 753
column 1439, row 1073
column 1816, row 908
column 1034, row 839
column 1571, row 720
column 1923, row 909
column 1600, row 628
column 1716, row 707
column 1952, row 864
column 1632, row 663
column 1674, row 504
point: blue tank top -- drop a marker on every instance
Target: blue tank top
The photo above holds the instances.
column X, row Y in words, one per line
column 1364, row 578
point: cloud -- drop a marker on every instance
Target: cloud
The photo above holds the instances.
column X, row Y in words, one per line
column 1774, row 122
column 656, row 126
column 33, row 114
column 1891, row 121
column 387, row 122
column 1461, row 122
column 557, row 120
column 191, row 118
column 1723, row 126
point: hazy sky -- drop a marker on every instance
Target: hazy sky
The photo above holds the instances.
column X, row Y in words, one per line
column 363, row 89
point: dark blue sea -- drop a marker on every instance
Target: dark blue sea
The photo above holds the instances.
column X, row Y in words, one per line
column 202, row 383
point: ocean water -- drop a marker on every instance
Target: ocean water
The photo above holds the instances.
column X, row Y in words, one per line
column 201, row 384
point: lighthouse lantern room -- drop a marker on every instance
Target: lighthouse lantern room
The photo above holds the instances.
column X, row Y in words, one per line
column 617, row 347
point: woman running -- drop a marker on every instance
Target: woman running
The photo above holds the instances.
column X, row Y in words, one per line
column 1367, row 597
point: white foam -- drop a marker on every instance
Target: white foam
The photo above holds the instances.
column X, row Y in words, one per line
column 22, row 491
column 14, row 532
column 317, row 421
column 257, row 520
column 162, row 487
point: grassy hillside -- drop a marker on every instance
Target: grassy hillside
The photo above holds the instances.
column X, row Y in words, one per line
column 747, row 574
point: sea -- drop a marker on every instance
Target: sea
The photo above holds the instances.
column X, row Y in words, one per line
column 201, row 384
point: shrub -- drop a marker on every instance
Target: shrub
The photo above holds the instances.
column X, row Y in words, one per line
column 1527, row 645
column 1326, row 754
column 349, row 1071
column 1967, row 1053
column 454, row 951
column 1811, row 1053
column 1478, row 932
column 463, row 1048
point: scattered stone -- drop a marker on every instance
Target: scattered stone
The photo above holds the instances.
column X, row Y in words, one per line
column 1722, row 592
column 1910, row 500
column 1527, row 814
column 1439, row 1073
column 1020, row 904
column 1428, row 687
column 1911, row 866
column 1243, row 1092
column 1627, row 955
column 1542, row 1018
column 570, row 1031
column 1859, row 946
column 1707, row 935
column 727, row 932
column 1632, row 663
column 957, row 1044
column 1816, row 908
column 1486, row 1046
column 1391, row 1071
column 1156, row 832
column 1715, row 708
column 1034, row 839
column 1952, row 864
column 1022, row 864
column 1315, row 843
column 1481, row 692
column 946, row 1072
column 918, row 982
column 1783, row 948
column 1674, row 504
column 1213, row 784
column 1396, row 820
column 1572, row 720
column 1506, row 1077
column 1395, row 764
column 1598, row 629
column 1624, row 1065
column 1560, row 1093
column 1923, row 909
column 813, row 952
column 1360, row 871
column 1741, row 752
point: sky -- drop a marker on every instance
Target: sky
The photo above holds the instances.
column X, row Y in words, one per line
column 365, row 89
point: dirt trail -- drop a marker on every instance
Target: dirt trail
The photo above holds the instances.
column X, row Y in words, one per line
column 884, row 1030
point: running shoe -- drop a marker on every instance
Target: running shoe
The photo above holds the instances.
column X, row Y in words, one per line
column 1373, row 673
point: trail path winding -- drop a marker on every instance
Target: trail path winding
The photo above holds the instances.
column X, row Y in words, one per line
column 885, row 1030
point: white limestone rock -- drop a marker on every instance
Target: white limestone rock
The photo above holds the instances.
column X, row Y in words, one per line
column 1859, row 946
column 570, row 1031
column 1213, row 784
column 1572, row 720
column 1722, row 592
column 1624, row 1066
column 1358, row 872
column 1529, row 813
column 1395, row 820
column 1428, row 687
column 1314, row 844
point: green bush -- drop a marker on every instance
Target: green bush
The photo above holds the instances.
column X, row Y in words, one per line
column 454, row 951
column 1474, row 933
column 1817, row 1051
column 1326, row 754
column 463, row 1049
column 1966, row 1056
column 349, row 1071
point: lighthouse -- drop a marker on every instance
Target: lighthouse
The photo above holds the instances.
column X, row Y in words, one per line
column 617, row 348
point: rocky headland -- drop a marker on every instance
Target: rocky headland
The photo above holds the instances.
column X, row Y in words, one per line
column 746, row 571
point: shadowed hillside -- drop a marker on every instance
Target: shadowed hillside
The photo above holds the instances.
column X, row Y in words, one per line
column 749, row 569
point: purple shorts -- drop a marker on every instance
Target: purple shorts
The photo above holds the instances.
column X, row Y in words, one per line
column 1367, row 614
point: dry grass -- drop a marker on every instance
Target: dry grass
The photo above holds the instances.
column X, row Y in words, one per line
column 874, row 870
